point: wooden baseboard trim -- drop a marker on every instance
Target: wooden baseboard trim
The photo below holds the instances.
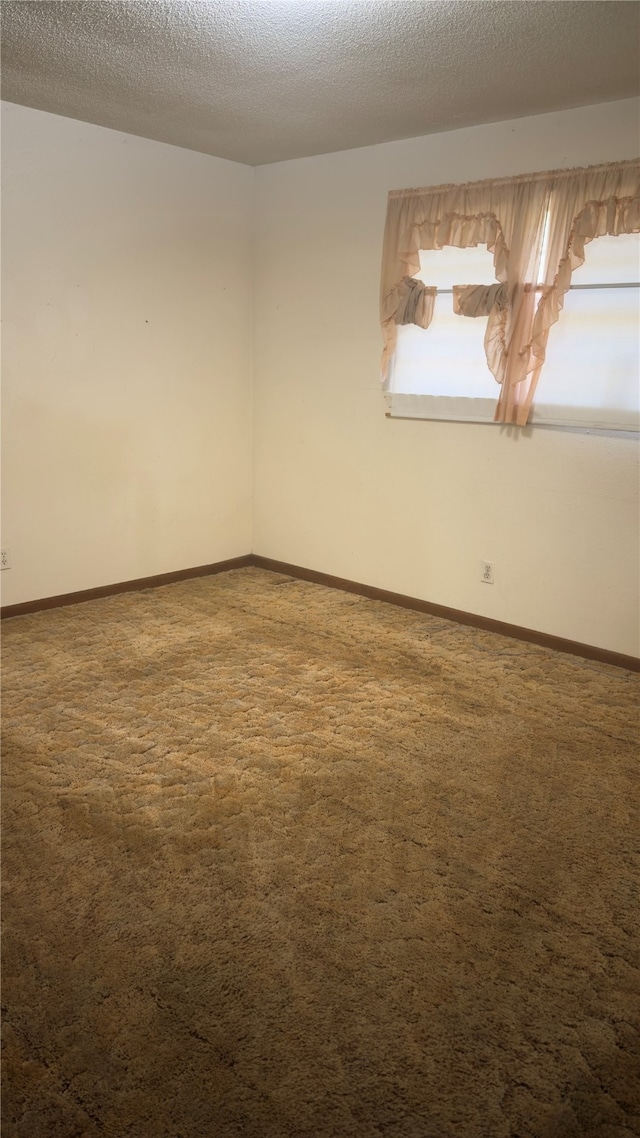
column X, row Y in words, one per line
column 544, row 639
column 126, row 587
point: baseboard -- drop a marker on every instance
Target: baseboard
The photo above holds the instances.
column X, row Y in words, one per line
column 125, row 586
column 544, row 639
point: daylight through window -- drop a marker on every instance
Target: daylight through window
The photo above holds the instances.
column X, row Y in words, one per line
column 591, row 374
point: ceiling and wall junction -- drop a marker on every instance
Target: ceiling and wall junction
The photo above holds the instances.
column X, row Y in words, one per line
column 260, row 81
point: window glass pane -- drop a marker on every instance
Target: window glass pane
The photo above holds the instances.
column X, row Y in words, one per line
column 611, row 259
column 447, row 358
column 593, row 353
column 447, row 267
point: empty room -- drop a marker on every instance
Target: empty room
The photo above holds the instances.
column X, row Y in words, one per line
column 320, row 569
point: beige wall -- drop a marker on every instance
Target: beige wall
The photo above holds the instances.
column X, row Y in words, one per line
column 126, row 356
column 416, row 506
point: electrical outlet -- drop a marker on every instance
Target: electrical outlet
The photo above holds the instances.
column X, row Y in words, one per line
column 487, row 572
column 5, row 558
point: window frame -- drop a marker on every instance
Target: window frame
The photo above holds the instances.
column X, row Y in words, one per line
column 476, row 409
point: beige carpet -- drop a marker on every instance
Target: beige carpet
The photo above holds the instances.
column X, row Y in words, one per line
column 283, row 862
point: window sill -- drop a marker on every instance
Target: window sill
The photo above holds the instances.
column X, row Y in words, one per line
column 460, row 409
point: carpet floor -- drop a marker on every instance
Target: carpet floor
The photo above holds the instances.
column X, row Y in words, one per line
column 284, row 862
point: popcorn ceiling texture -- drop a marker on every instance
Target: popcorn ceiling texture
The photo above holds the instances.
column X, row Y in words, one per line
column 282, row 862
column 267, row 80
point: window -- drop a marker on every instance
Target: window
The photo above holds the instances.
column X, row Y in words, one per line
column 474, row 282
column 591, row 374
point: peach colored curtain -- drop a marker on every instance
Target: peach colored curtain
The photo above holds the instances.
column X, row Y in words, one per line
column 536, row 226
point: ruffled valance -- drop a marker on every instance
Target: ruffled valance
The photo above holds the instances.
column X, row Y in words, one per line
column 536, row 226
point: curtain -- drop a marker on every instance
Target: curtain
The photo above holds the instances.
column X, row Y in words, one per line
column 536, row 226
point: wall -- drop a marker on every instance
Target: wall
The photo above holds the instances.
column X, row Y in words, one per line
column 126, row 356
column 415, row 506
column 127, row 269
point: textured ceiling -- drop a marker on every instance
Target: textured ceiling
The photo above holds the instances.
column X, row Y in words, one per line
column 264, row 80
